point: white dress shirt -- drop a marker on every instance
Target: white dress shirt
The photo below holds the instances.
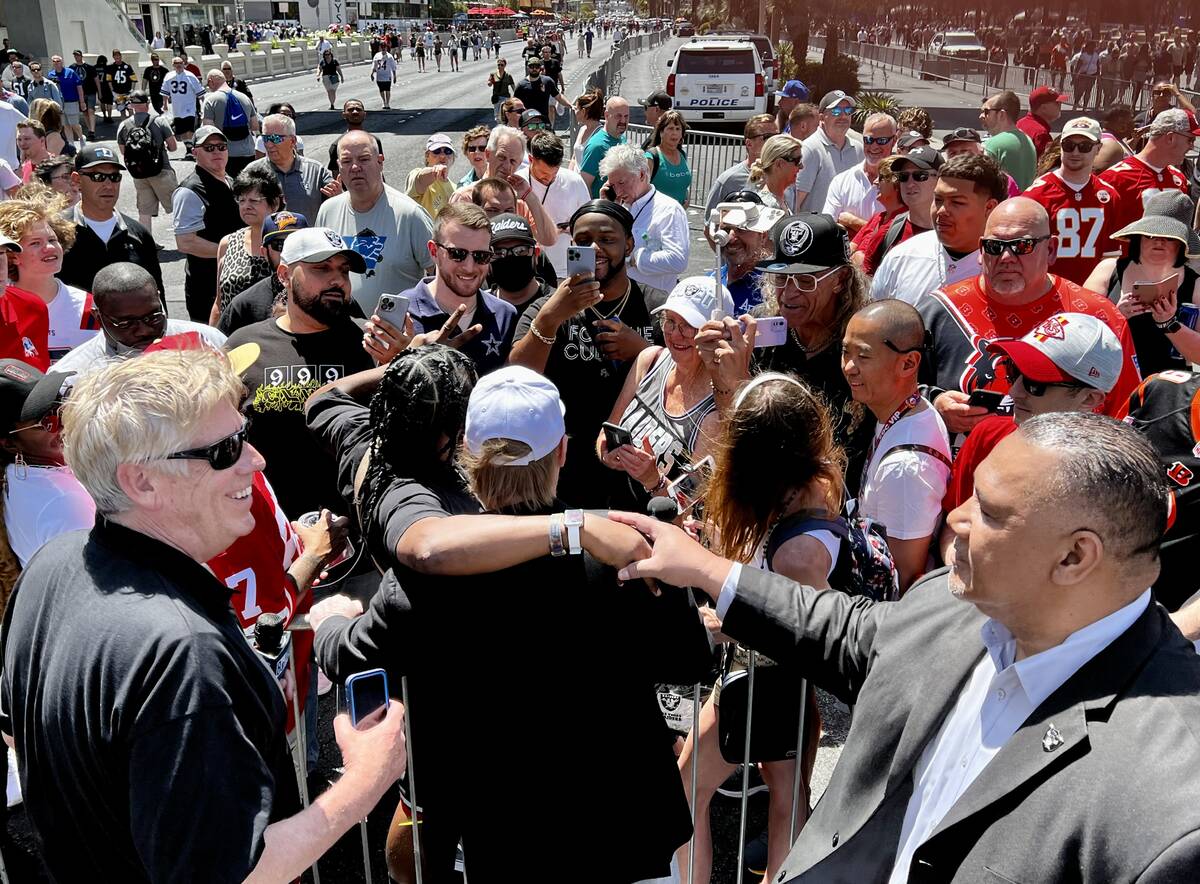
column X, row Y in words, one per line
column 852, row 191
column 560, row 198
column 660, row 241
column 997, row 699
column 917, row 266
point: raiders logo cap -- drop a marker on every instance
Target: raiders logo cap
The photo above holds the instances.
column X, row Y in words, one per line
column 807, row 243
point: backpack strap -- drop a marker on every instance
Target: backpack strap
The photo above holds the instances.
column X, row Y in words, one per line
column 922, row 449
column 802, row 523
column 655, row 162
column 894, row 232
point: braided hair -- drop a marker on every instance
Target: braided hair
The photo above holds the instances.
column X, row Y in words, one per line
column 423, row 396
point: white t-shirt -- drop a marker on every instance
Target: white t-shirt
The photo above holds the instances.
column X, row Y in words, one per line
column 384, row 67
column 102, row 229
column 9, row 117
column 918, row 266
column 852, row 191
column 560, row 198
column 48, row 502
column 66, row 314
column 8, row 179
column 393, row 237
column 903, row 490
column 183, row 88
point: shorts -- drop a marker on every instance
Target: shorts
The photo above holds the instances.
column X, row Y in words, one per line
column 121, row 101
column 71, row 112
column 155, row 191
column 384, row 86
column 89, row 99
column 183, row 125
column 332, row 82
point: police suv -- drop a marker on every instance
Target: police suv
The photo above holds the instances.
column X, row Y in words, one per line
column 717, row 80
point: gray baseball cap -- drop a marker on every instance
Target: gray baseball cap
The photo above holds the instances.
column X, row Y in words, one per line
column 206, row 132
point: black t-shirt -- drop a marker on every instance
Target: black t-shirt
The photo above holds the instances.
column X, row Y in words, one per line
column 333, row 163
column 153, row 77
column 544, row 290
column 258, row 303
column 152, row 737
column 121, row 77
column 536, row 93
column 87, row 73
column 553, row 67
column 589, row 384
column 288, row 369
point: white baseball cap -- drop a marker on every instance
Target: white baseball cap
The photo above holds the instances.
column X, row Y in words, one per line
column 1085, row 126
column 314, row 244
column 695, row 297
column 515, row 403
column 1068, row 348
column 752, row 216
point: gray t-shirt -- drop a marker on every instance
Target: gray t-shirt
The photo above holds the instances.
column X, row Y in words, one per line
column 301, row 184
column 822, row 162
column 214, row 109
column 392, row 236
column 730, row 181
column 158, row 126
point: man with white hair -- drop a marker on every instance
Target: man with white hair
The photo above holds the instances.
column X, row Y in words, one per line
column 388, row 228
column 616, row 121
column 1156, row 167
column 503, row 157
column 233, row 113
column 853, row 195
column 827, row 152
column 660, row 227
column 160, row 445
column 306, row 183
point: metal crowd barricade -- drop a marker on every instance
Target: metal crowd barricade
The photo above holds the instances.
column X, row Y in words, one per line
column 708, row 154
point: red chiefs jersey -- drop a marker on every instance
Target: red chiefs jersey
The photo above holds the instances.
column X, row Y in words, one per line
column 1136, row 182
column 1083, row 220
column 255, row 568
column 962, row 321
column 24, row 328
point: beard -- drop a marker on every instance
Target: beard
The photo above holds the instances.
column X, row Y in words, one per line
column 320, row 306
column 613, row 270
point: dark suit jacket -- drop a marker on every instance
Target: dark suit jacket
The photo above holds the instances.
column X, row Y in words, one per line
column 1118, row 800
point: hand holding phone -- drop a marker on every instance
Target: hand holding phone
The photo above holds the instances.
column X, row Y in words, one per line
column 615, row 436
column 366, row 692
column 581, row 259
column 988, row 399
column 1149, row 292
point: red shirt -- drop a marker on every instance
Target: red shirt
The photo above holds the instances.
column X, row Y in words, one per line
column 255, row 568
column 963, row 321
column 24, row 328
column 1136, row 182
column 1038, row 131
column 1083, row 220
column 978, row 445
column 869, row 240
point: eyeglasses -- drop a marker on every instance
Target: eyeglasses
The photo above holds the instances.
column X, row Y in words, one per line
column 150, row 319
column 988, row 110
column 442, row 151
column 878, row 139
column 1077, row 146
column 221, row 455
column 1022, row 246
column 248, row 200
column 1032, row 387
column 905, row 177
column 840, row 111
column 476, row 148
column 51, row 422
column 670, row 326
column 499, row 252
column 100, row 177
column 458, row 255
column 801, row 282
column 209, row 148
column 276, row 139
column 761, row 135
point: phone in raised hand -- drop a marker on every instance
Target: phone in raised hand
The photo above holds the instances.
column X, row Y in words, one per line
column 581, row 259
column 392, row 308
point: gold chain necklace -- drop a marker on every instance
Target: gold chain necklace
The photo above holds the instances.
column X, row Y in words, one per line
column 620, row 305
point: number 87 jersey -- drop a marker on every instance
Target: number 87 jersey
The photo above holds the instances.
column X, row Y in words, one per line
column 1083, row 220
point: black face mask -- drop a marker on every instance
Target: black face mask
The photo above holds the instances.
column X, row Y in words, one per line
column 512, row 273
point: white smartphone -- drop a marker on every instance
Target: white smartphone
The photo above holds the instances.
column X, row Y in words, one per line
column 770, row 331
column 581, row 259
column 392, row 308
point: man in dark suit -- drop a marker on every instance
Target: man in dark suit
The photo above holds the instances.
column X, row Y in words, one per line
column 1044, row 732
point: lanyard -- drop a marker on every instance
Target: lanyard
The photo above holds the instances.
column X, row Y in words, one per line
column 905, row 407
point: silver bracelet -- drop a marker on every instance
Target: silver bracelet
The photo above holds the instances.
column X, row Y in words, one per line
column 556, row 535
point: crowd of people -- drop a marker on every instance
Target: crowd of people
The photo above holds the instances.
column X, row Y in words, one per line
column 925, row 439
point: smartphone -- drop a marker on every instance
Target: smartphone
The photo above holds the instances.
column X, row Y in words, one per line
column 393, row 308
column 1149, row 292
column 311, row 518
column 988, row 399
column 366, row 692
column 770, row 331
column 581, row 259
column 689, row 488
column 615, row 436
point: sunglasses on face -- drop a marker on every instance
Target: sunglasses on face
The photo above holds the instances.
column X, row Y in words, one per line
column 221, row 455
column 796, row 159
column 499, row 252
column 878, row 139
column 840, row 111
column 476, row 148
column 51, row 422
column 100, row 177
column 209, row 148
column 150, row 319
column 1022, row 246
column 1032, row 387
column 458, row 255
column 275, row 139
column 1077, row 146
column 442, row 151
column 760, row 136
column 905, row 177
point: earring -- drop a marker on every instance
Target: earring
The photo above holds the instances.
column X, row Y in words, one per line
column 20, row 467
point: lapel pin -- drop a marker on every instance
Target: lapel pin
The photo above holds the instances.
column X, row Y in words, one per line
column 1052, row 739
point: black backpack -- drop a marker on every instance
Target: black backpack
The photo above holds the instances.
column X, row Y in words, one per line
column 143, row 149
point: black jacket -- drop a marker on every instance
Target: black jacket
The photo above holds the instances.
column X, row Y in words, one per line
column 537, row 682
column 130, row 242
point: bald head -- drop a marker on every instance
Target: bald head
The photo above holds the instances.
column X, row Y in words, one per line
column 616, row 116
column 895, row 321
column 1016, row 217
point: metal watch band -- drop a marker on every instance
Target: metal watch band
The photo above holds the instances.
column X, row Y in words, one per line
column 556, row 536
